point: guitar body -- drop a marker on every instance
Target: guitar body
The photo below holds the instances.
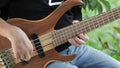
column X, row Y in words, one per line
column 40, row 27
column 51, row 56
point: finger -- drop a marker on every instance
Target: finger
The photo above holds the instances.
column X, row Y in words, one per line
column 79, row 41
column 31, row 52
column 83, row 37
column 27, row 56
column 16, row 55
column 73, row 42
column 22, row 57
column 34, row 48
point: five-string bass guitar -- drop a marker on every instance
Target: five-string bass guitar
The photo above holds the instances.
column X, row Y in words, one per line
column 45, row 38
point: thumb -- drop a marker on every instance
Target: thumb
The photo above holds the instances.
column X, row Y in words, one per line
column 75, row 21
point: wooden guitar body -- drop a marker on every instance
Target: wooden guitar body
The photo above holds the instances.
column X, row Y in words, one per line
column 42, row 28
column 48, row 38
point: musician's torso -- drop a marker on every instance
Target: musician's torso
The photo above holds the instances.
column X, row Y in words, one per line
column 32, row 9
column 36, row 9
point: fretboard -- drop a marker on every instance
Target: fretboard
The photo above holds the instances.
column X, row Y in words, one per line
column 61, row 36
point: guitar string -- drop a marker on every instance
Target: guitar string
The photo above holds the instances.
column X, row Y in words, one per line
column 99, row 19
column 82, row 25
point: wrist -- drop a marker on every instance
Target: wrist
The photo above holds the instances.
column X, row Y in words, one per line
column 12, row 32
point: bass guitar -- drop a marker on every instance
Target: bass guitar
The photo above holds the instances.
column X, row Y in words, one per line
column 45, row 38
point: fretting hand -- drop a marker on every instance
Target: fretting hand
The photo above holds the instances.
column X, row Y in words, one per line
column 80, row 39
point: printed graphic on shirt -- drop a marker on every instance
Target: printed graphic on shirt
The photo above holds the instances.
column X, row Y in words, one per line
column 54, row 2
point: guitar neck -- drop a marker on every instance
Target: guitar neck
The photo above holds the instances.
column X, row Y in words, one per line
column 61, row 36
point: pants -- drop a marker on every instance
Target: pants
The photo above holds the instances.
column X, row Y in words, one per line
column 87, row 57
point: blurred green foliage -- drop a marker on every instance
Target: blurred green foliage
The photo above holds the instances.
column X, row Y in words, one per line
column 95, row 7
column 105, row 38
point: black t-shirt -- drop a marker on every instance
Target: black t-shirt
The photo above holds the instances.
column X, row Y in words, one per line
column 37, row 9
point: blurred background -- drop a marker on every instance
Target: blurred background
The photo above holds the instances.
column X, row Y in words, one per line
column 107, row 37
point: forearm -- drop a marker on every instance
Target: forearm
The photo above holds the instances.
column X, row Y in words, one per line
column 5, row 28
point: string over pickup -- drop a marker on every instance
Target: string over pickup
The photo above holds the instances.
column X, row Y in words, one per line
column 38, row 45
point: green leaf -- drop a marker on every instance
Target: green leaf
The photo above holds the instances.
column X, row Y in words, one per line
column 93, row 4
column 117, row 29
column 99, row 8
column 116, row 57
column 106, row 4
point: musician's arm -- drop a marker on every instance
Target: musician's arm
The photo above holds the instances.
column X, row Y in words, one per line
column 4, row 27
column 21, row 45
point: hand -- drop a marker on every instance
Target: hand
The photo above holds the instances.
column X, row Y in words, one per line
column 77, row 41
column 21, row 45
column 81, row 39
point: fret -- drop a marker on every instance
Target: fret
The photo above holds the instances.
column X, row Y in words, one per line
column 68, row 32
column 79, row 26
column 117, row 14
column 55, row 42
column 95, row 22
column 58, row 40
column 101, row 19
column 113, row 14
column 59, row 36
column 106, row 19
column 77, row 29
column 72, row 31
column 96, row 25
column 92, row 26
column 82, row 27
column 63, row 36
column 88, row 27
